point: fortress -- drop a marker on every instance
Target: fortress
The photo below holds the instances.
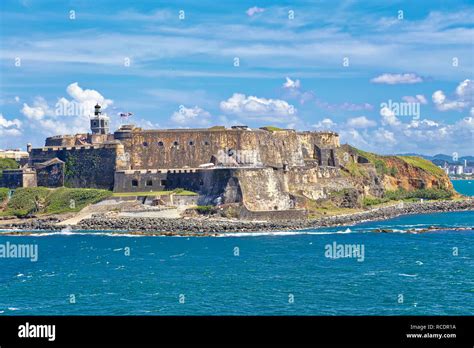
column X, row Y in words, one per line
column 266, row 169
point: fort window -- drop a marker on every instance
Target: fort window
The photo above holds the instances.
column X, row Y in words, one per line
column 191, row 143
column 163, row 182
column 160, row 143
column 149, row 183
column 175, row 143
column 206, row 142
column 145, row 144
column 134, row 183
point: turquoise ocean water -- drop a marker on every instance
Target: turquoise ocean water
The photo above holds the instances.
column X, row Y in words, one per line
column 264, row 274
column 466, row 187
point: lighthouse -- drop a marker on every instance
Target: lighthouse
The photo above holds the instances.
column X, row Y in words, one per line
column 99, row 122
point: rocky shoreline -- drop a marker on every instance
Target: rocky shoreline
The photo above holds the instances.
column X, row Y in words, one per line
column 214, row 226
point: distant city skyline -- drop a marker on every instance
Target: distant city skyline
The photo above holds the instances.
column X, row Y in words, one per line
column 389, row 78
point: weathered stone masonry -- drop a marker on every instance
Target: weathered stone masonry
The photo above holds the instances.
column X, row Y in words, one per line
column 266, row 170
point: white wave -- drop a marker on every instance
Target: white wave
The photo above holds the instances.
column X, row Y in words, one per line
column 178, row 255
column 407, row 275
column 269, row 233
column 347, row 230
column 6, row 230
column 20, row 275
column 49, row 275
column 419, row 263
column 47, row 234
column 67, row 229
column 66, row 233
column 13, row 309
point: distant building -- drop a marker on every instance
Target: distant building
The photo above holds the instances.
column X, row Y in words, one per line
column 17, row 154
column 459, row 170
column 20, row 156
column 468, row 170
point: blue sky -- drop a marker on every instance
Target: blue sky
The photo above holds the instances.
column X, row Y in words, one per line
column 309, row 65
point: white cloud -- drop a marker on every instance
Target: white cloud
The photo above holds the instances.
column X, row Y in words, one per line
column 290, row 84
column 393, row 79
column 419, row 98
column 17, row 99
column 463, row 97
column 4, row 123
column 424, row 136
column 67, row 116
column 361, row 122
column 39, row 109
column 191, row 116
column 87, row 97
column 465, row 89
column 343, row 106
column 384, row 137
column 438, row 97
column 10, row 127
column 254, row 108
column 354, row 137
column 273, row 46
column 325, row 124
column 253, row 10
column 388, row 117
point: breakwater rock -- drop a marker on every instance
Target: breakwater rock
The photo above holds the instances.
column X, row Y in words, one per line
column 210, row 226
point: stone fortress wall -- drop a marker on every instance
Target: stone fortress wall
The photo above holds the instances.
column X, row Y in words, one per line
column 265, row 169
column 151, row 149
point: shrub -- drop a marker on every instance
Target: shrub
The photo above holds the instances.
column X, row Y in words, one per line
column 420, row 193
column 369, row 201
column 272, row 128
column 37, row 200
column 3, row 194
column 27, row 201
column 380, row 167
column 8, row 163
column 205, row 209
column 402, row 194
column 65, row 199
